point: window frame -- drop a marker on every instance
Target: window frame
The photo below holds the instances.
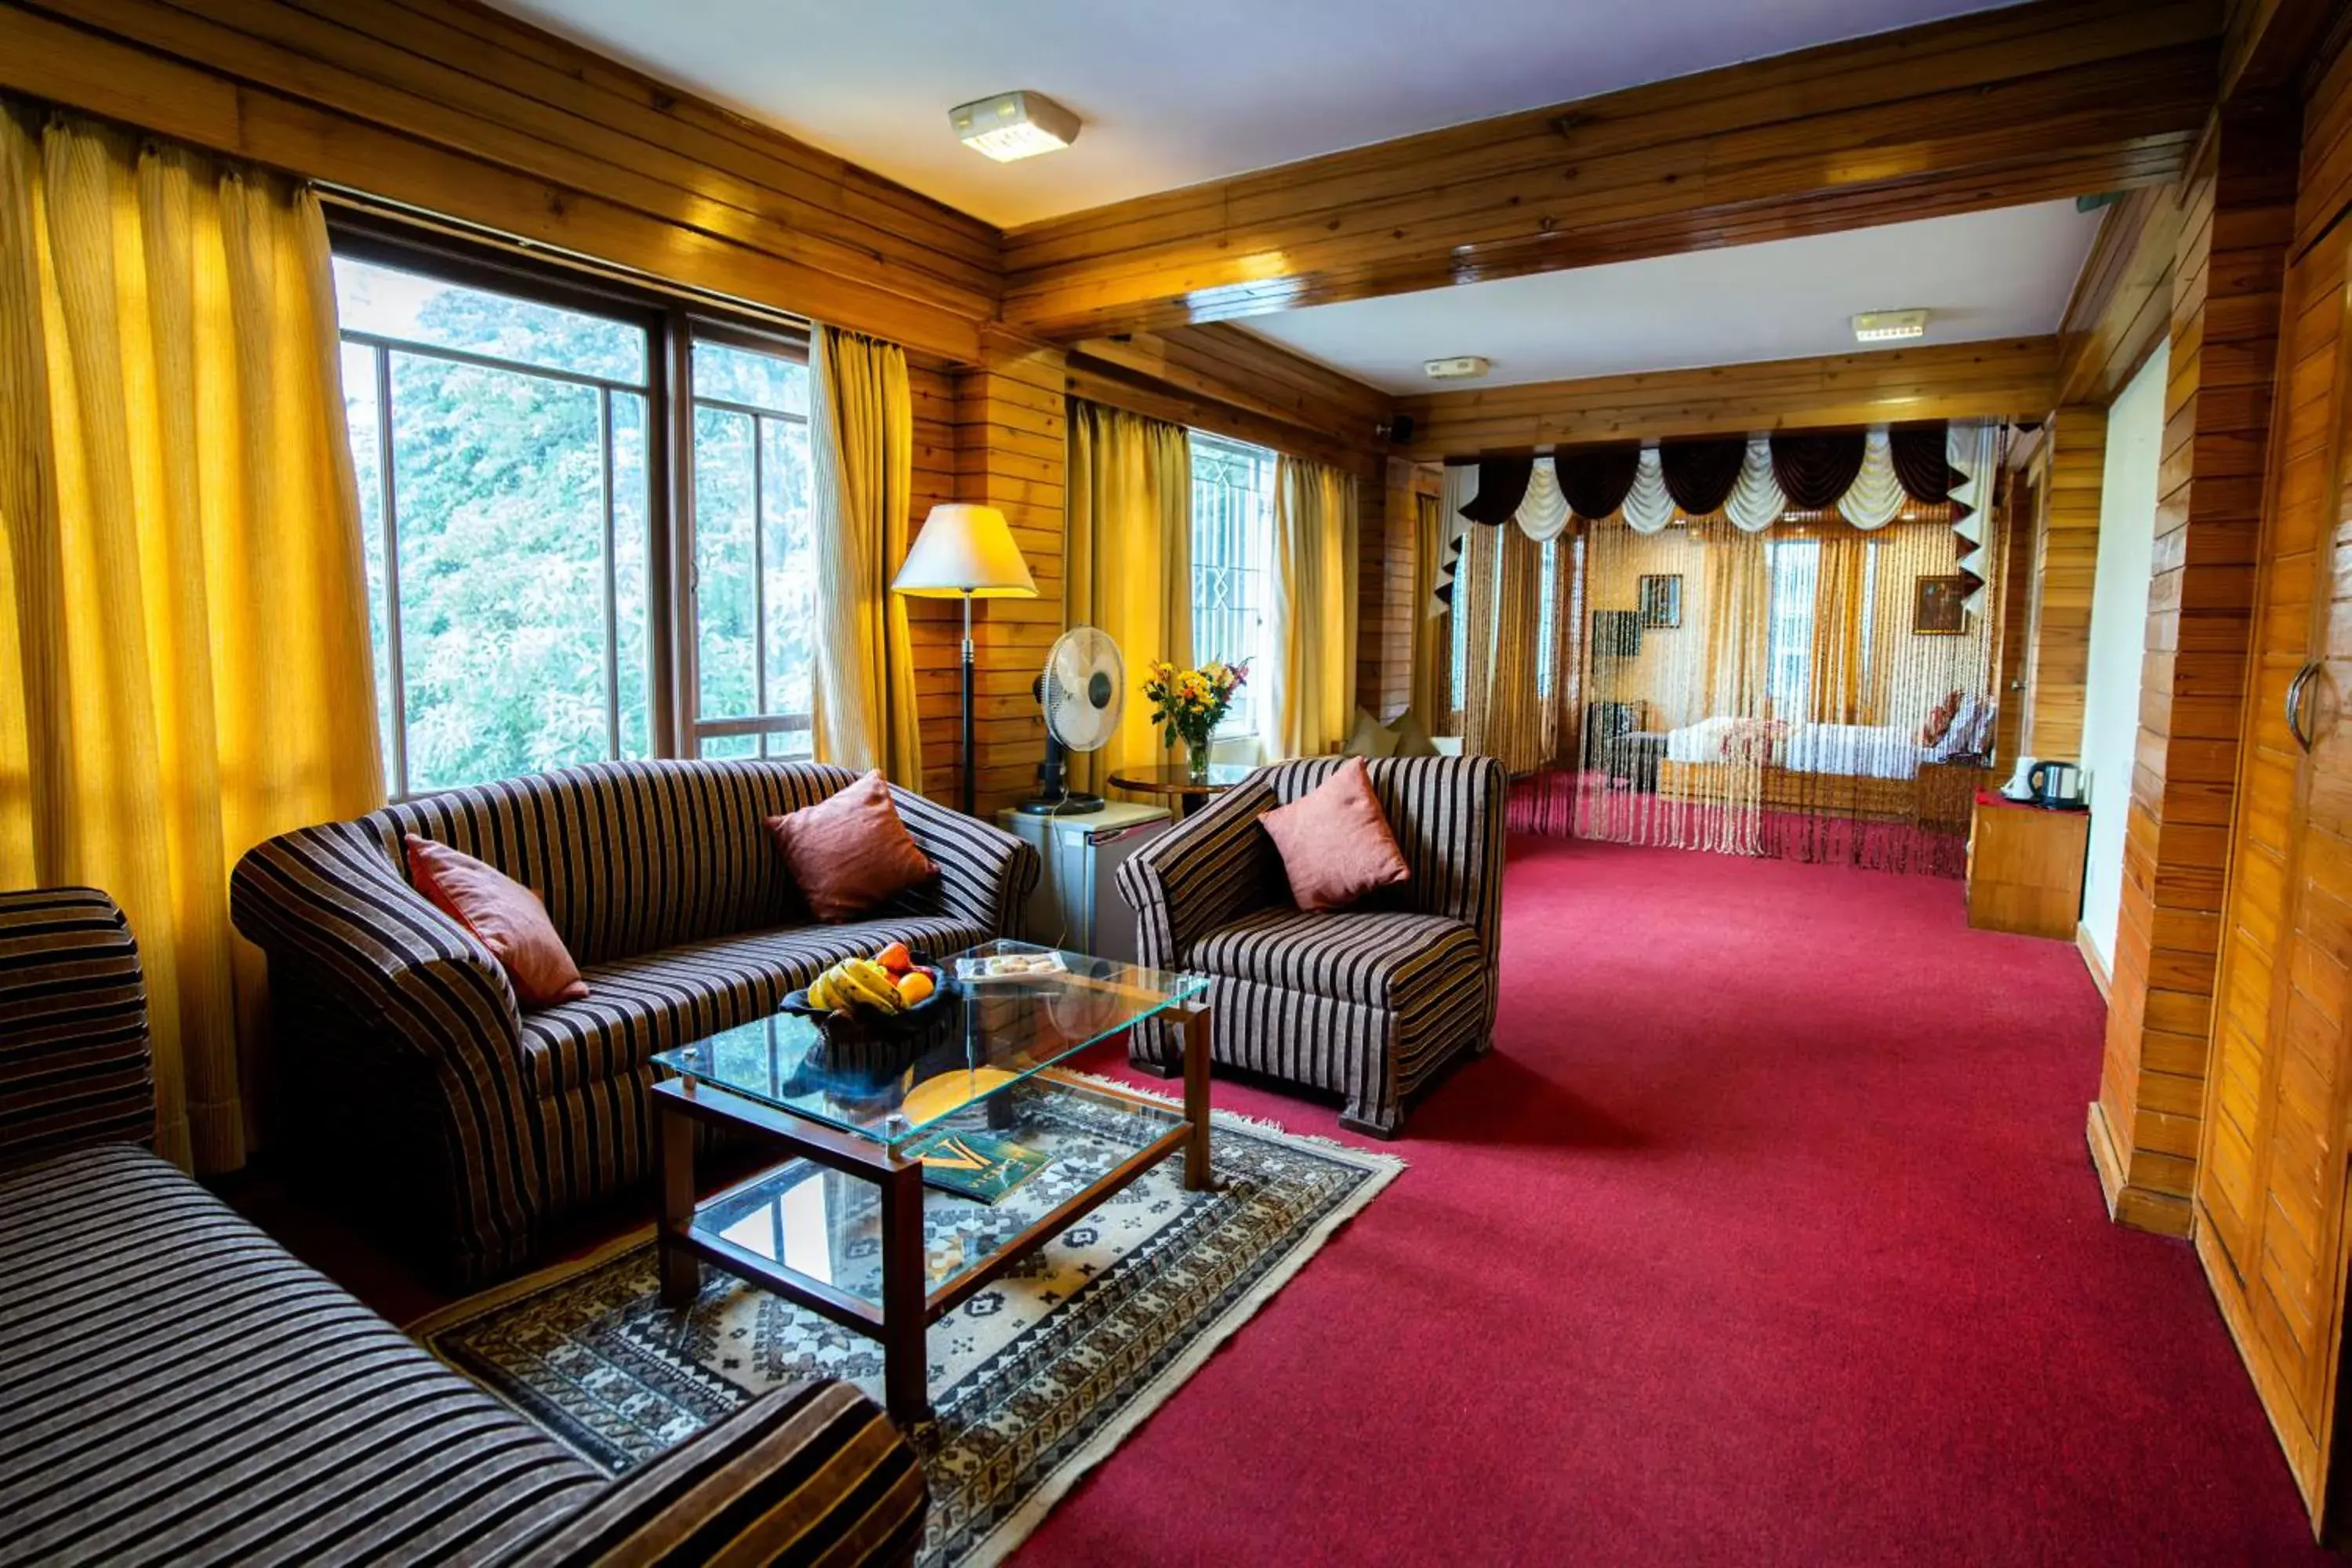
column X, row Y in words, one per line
column 672, row 323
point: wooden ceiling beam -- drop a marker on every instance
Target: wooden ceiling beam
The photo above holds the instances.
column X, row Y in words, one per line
column 1947, row 380
column 2038, row 101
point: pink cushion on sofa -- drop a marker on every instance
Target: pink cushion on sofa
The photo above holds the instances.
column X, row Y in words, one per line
column 1335, row 844
column 504, row 916
column 849, row 851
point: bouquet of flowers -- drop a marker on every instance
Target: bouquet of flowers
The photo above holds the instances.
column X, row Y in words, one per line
column 1188, row 704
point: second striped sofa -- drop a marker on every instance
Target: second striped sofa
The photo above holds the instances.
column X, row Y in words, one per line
column 175, row 1388
column 414, row 1084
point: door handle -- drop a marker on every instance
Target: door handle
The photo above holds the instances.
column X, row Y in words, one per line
column 2295, row 692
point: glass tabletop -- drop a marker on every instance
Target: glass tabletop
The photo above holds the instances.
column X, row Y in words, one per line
column 978, row 1037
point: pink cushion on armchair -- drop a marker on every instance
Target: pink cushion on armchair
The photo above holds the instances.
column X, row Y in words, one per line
column 504, row 916
column 849, row 851
column 1335, row 844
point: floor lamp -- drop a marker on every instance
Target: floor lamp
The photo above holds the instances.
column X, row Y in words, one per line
column 965, row 552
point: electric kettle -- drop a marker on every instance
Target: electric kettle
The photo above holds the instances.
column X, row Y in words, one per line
column 2056, row 784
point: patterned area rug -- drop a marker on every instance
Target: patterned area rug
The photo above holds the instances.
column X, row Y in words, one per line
column 1033, row 1379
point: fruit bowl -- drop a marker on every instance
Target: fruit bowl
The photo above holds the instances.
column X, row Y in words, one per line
column 870, row 1022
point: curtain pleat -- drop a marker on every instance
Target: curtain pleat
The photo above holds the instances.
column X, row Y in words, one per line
column 1129, row 566
column 1835, row 675
column 1815, row 471
column 1312, row 693
column 1503, row 713
column 182, row 577
column 1596, row 479
column 1700, row 475
column 861, row 460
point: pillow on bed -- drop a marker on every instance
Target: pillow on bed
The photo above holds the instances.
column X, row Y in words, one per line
column 1940, row 721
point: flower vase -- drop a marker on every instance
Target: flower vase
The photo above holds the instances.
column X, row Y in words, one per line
column 1196, row 761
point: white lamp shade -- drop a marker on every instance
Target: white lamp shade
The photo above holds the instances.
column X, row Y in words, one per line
column 965, row 549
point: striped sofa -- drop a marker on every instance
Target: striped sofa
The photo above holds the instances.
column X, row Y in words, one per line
column 417, row 1088
column 175, row 1388
column 1367, row 1002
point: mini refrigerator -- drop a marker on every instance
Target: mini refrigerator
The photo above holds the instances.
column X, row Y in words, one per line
column 1076, row 905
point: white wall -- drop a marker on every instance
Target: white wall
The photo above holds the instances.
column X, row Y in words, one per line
column 2118, row 640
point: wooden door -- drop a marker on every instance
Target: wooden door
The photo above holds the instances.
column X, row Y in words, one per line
column 2271, row 1185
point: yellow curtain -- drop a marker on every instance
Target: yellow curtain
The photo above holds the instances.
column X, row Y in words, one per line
column 1432, row 654
column 1129, row 569
column 1836, row 661
column 1311, row 692
column 1737, row 601
column 862, row 452
column 184, row 591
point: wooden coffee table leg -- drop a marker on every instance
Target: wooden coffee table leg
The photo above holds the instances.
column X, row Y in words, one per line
column 906, row 1364
column 1197, row 1178
column 681, row 1272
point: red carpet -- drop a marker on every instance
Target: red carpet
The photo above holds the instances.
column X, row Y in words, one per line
column 1765, row 1236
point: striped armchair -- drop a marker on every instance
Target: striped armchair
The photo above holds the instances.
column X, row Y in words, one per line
column 1367, row 1002
column 178, row 1388
column 413, row 1083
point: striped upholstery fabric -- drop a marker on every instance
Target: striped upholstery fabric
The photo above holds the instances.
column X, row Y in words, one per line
column 175, row 1388
column 808, row 1475
column 73, row 1025
column 1368, row 1003
column 409, row 1069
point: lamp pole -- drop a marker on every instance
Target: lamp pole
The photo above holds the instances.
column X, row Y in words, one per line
column 969, row 793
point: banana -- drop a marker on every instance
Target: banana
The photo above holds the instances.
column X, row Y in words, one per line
column 867, row 983
column 820, row 991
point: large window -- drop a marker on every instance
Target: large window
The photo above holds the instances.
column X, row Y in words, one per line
column 534, row 595
column 1233, row 531
column 1795, row 566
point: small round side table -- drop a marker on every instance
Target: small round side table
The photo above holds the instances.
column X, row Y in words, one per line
column 1178, row 784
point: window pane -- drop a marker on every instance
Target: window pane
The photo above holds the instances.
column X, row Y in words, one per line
column 631, row 529
column 729, row 374
column 1233, row 524
column 731, row 746
column 367, row 462
column 418, row 308
column 498, row 478
column 788, row 551
column 726, row 654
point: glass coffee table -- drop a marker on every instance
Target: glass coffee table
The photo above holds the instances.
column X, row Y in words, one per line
column 839, row 1227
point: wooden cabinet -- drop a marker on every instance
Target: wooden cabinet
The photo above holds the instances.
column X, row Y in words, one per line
column 2025, row 868
column 2272, row 1168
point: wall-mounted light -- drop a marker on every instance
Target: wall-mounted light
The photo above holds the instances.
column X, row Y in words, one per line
column 1884, row 326
column 1013, row 125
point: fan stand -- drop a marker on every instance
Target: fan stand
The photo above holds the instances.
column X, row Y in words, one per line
column 1054, row 796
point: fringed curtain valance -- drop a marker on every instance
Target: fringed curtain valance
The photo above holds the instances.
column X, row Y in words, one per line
column 1866, row 477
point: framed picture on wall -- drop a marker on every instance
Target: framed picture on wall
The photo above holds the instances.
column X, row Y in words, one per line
column 1938, row 608
column 1662, row 601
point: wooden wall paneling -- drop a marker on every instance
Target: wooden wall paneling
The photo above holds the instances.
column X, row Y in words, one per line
column 1993, row 109
column 2240, row 205
column 1949, row 380
column 344, row 97
column 2020, row 512
column 2267, row 44
column 1384, row 616
column 2066, row 562
column 2122, row 304
column 1012, row 424
column 2269, row 1137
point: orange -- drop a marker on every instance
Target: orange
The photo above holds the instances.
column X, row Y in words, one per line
column 895, row 958
column 914, row 985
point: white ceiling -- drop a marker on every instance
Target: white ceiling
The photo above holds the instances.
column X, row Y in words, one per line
column 1176, row 91
column 1999, row 274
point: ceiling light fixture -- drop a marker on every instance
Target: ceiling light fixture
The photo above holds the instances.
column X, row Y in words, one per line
column 1013, row 125
column 1885, row 326
column 1461, row 367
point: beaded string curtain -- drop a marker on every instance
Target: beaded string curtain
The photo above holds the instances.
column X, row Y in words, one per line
column 1809, row 684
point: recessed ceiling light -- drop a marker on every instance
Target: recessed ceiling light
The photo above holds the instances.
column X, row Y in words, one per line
column 1013, row 125
column 1882, row 326
column 1461, row 367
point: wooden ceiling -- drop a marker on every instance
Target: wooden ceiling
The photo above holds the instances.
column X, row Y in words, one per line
column 2056, row 98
